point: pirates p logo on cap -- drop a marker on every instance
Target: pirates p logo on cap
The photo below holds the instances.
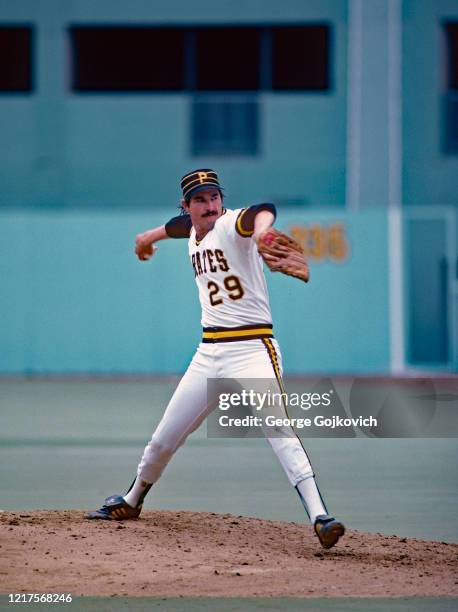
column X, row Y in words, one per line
column 198, row 180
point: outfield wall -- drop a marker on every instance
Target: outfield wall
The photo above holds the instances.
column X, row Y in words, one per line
column 75, row 299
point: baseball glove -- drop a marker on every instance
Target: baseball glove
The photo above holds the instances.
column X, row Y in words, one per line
column 282, row 254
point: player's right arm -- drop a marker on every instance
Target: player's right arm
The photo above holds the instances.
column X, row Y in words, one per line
column 144, row 243
column 178, row 227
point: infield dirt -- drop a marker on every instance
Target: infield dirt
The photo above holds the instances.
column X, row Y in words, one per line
column 170, row 553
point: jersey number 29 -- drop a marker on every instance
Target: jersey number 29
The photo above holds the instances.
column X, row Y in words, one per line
column 234, row 290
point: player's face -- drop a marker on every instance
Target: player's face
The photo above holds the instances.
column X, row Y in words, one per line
column 205, row 208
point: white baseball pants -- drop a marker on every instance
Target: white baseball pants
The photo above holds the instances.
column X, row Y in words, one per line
column 189, row 406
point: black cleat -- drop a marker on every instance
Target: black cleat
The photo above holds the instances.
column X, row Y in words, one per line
column 328, row 530
column 115, row 509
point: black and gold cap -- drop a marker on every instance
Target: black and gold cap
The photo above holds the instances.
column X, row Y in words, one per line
column 198, row 180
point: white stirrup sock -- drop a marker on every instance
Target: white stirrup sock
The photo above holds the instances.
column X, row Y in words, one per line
column 311, row 498
column 136, row 493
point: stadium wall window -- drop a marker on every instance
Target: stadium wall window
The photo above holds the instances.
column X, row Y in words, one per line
column 450, row 102
column 288, row 59
column 16, row 58
column 198, row 59
column 120, row 59
column 227, row 59
column 222, row 68
column 300, row 58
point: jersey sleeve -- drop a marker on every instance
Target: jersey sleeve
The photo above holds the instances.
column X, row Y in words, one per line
column 244, row 224
column 179, row 227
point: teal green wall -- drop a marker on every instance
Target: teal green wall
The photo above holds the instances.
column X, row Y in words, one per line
column 429, row 176
column 61, row 150
column 101, row 167
column 75, row 299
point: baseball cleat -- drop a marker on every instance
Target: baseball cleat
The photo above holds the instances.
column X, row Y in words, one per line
column 328, row 530
column 115, row 509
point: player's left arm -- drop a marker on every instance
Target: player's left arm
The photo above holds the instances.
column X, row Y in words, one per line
column 255, row 219
column 280, row 252
column 263, row 220
column 253, row 222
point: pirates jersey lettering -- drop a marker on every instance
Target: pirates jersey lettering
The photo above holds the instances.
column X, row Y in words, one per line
column 229, row 275
column 207, row 258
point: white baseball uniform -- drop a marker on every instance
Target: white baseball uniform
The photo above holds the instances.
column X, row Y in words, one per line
column 237, row 343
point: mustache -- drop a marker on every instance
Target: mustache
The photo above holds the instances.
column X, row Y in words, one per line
column 210, row 213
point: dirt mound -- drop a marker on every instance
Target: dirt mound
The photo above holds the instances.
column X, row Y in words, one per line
column 167, row 553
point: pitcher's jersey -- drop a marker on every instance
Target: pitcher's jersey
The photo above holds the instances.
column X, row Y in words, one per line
column 229, row 275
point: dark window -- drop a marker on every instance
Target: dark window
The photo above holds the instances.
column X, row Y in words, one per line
column 227, row 59
column 300, row 58
column 127, row 59
column 15, row 58
column 450, row 116
column 221, row 66
column 451, row 30
column 216, row 58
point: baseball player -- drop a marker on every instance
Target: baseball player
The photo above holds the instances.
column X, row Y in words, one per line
column 226, row 250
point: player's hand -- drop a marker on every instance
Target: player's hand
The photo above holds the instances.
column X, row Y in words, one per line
column 271, row 261
column 144, row 248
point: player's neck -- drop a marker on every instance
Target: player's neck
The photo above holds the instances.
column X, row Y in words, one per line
column 200, row 234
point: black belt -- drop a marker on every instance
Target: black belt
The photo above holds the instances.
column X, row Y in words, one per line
column 236, row 334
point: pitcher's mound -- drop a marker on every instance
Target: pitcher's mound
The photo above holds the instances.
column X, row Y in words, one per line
column 167, row 553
